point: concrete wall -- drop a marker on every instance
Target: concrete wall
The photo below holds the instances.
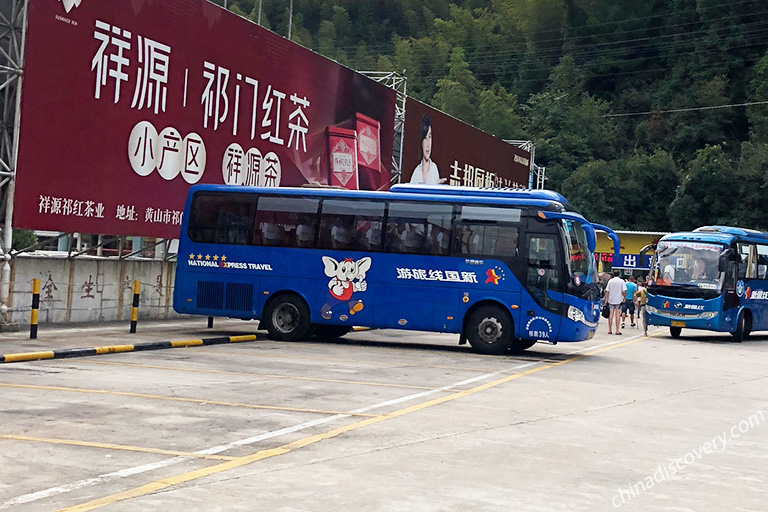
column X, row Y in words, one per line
column 87, row 289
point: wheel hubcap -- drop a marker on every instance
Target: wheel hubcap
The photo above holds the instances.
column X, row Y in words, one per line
column 285, row 318
column 489, row 330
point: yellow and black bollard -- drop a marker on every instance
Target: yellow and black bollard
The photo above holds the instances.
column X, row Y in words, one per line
column 35, row 309
column 135, row 308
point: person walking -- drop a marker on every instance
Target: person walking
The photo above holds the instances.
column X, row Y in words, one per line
column 615, row 292
column 641, row 299
column 629, row 303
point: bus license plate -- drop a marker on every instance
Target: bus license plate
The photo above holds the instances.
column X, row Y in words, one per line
column 678, row 324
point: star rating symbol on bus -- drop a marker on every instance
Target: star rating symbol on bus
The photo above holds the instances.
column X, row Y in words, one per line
column 199, row 256
column 223, row 258
column 216, row 257
column 192, row 256
column 207, row 257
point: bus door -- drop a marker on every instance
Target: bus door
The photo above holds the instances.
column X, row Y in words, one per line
column 540, row 317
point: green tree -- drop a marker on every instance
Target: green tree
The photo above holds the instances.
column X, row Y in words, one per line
column 707, row 192
column 457, row 92
column 758, row 91
column 23, row 238
column 498, row 113
column 568, row 125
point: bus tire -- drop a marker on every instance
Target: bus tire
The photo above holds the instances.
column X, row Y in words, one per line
column 330, row 332
column 287, row 318
column 489, row 330
column 741, row 329
column 675, row 331
column 518, row 346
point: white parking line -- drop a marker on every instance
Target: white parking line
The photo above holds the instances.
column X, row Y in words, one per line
column 107, row 477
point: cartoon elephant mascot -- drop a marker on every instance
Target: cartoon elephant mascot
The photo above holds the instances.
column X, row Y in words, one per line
column 347, row 277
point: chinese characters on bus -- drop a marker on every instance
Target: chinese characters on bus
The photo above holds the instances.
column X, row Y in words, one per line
column 421, row 274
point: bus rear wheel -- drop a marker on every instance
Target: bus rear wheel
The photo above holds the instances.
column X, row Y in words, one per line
column 675, row 331
column 287, row 318
column 330, row 332
column 489, row 330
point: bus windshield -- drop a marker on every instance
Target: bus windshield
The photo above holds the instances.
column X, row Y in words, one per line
column 581, row 263
column 689, row 263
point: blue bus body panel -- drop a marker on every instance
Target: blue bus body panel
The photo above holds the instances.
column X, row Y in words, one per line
column 691, row 311
column 416, row 292
column 752, row 294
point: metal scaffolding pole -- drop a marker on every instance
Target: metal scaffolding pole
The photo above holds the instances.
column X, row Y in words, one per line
column 13, row 23
column 397, row 82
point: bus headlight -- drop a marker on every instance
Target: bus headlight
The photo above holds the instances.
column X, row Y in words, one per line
column 576, row 314
column 709, row 314
column 651, row 310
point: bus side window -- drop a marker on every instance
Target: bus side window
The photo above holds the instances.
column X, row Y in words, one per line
column 285, row 221
column 415, row 227
column 272, row 234
column 221, row 219
column 488, row 231
column 542, row 262
column 305, row 235
column 748, row 265
column 351, row 225
column 762, row 261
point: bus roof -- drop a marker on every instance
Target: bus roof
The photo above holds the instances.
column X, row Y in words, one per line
column 724, row 234
column 537, row 198
column 512, row 193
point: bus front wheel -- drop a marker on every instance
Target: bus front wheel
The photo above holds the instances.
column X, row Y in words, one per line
column 287, row 318
column 489, row 330
column 675, row 331
column 742, row 329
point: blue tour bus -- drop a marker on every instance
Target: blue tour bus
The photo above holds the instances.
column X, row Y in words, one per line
column 501, row 267
column 713, row 278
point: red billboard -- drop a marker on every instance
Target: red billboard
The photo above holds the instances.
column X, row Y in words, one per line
column 127, row 103
column 438, row 148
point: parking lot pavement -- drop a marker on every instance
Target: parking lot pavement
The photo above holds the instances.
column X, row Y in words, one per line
column 383, row 420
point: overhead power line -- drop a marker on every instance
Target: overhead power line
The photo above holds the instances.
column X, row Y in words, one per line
column 713, row 107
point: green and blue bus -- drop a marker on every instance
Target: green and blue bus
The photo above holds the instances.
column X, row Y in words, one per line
column 713, row 278
column 503, row 268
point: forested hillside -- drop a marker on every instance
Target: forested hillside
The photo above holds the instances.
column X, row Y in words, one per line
column 648, row 114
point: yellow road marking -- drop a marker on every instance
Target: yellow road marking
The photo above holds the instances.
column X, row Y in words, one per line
column 109, row 446
column 180, row 399
column 263, row 375
column 289, row 447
